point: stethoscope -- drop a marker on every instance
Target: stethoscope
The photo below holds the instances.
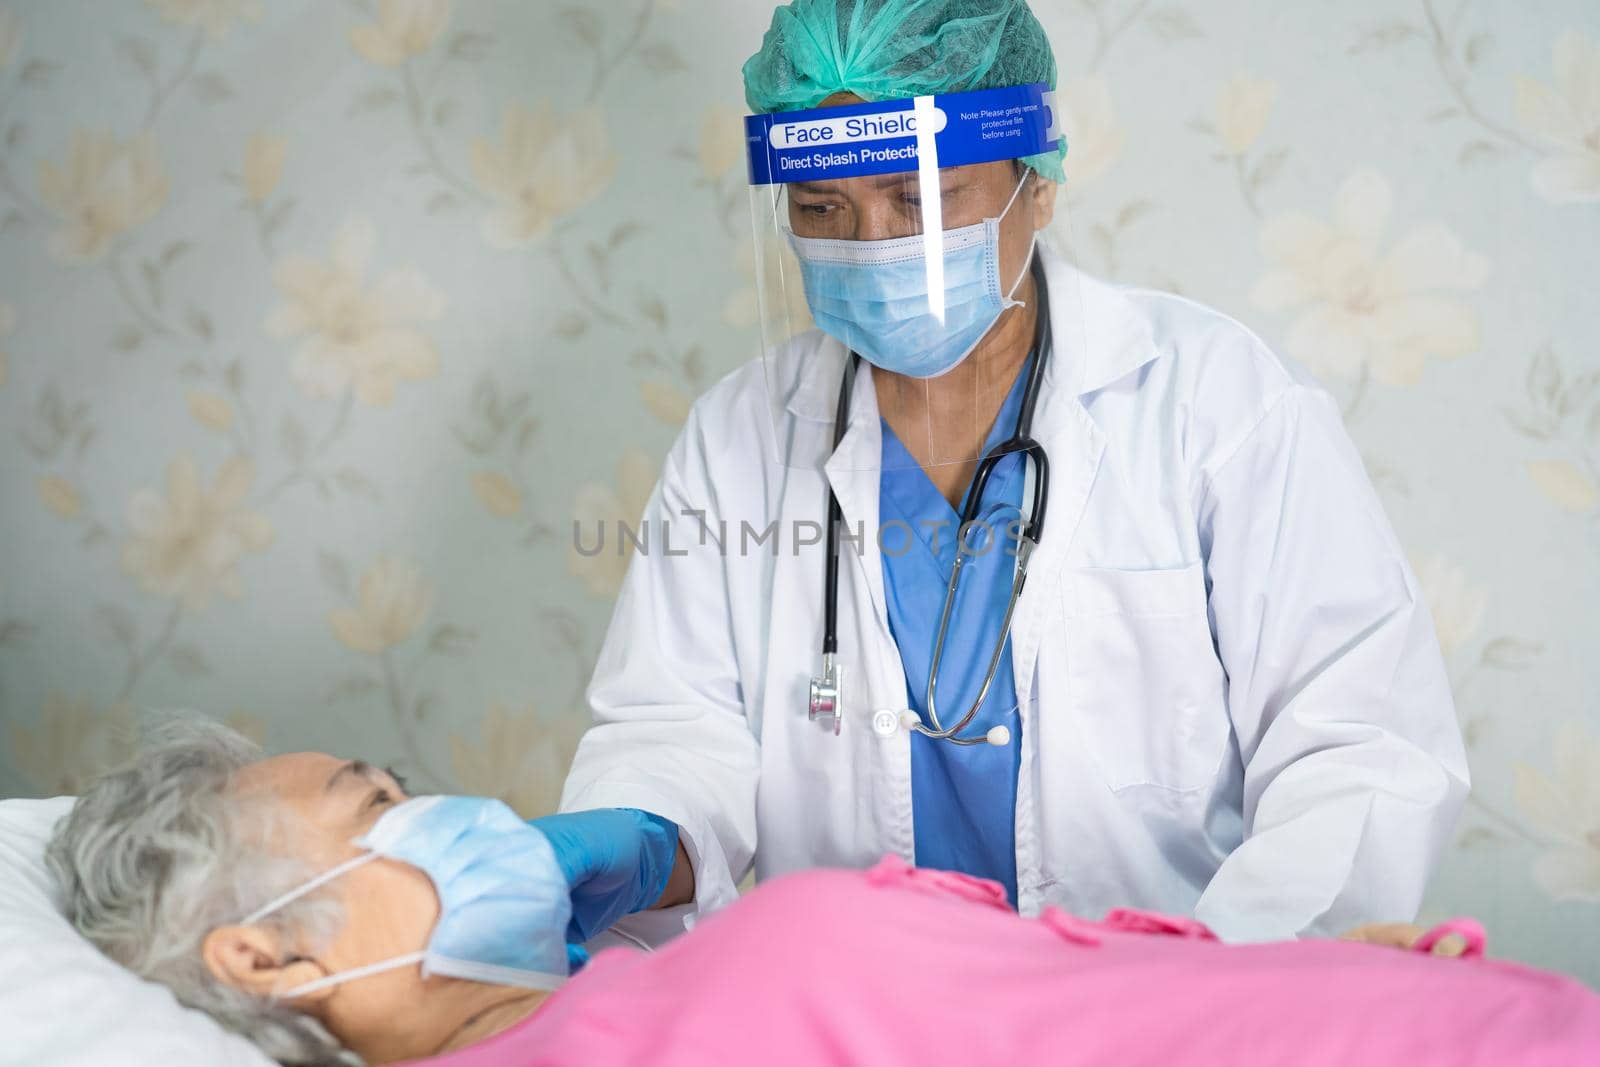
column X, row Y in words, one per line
column 825, row 691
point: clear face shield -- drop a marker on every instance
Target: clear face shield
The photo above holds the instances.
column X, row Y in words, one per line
column 899, row 274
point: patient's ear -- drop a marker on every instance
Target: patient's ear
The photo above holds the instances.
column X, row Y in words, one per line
column 254, row 960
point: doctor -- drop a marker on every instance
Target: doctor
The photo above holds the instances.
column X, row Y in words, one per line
column 1219, row 693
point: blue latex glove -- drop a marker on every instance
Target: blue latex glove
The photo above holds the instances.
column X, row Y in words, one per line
column 617, row 861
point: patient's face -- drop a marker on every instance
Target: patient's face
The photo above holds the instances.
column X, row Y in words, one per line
column 390, row 907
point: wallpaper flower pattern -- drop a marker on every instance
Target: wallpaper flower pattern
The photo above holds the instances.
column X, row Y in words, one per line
column 321, row 325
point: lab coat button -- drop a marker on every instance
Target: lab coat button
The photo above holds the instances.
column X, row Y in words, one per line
column 885, row 723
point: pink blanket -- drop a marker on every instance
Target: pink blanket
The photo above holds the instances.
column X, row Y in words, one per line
column 897, row 966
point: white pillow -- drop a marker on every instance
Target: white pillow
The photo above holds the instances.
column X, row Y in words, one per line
column 61, row 1002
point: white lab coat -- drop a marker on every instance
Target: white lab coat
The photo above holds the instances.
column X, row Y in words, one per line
column 1233, row 704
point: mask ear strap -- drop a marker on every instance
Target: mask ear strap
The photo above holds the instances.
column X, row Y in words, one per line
column 351, row 975
column 1027, row 261
column 1032, row 243
column 1014, row 193
column 299, row 891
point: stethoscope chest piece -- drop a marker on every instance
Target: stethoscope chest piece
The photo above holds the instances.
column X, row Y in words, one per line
column 825, row 701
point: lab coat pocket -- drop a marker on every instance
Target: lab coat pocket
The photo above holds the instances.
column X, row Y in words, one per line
column 1147, row 690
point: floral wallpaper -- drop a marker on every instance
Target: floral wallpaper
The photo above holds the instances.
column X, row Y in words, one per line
column 321, row 323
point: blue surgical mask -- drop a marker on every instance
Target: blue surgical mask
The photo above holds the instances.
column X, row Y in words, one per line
column 873, row 295
column 503, row 900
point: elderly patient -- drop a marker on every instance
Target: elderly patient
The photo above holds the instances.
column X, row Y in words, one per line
column 162, row 863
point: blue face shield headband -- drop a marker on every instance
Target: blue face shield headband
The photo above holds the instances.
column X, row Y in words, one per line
column 873, row 296
column 503, row 899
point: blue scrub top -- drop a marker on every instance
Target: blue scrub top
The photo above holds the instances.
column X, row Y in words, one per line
column 963, row 797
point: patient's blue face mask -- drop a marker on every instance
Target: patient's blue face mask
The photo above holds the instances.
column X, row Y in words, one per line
column 873, row 295
column 503, row 900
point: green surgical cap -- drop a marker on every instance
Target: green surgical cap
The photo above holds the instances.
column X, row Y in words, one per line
column 891, row 49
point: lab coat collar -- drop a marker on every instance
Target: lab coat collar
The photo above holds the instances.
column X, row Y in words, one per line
column 1099, row 335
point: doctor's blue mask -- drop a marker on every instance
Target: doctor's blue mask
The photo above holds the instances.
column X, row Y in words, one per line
column 873, row 296
column 503, row 900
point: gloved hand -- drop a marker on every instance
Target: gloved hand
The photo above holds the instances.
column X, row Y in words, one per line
column 617, row 861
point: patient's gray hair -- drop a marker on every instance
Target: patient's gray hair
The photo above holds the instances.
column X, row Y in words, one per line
column 156, row 855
